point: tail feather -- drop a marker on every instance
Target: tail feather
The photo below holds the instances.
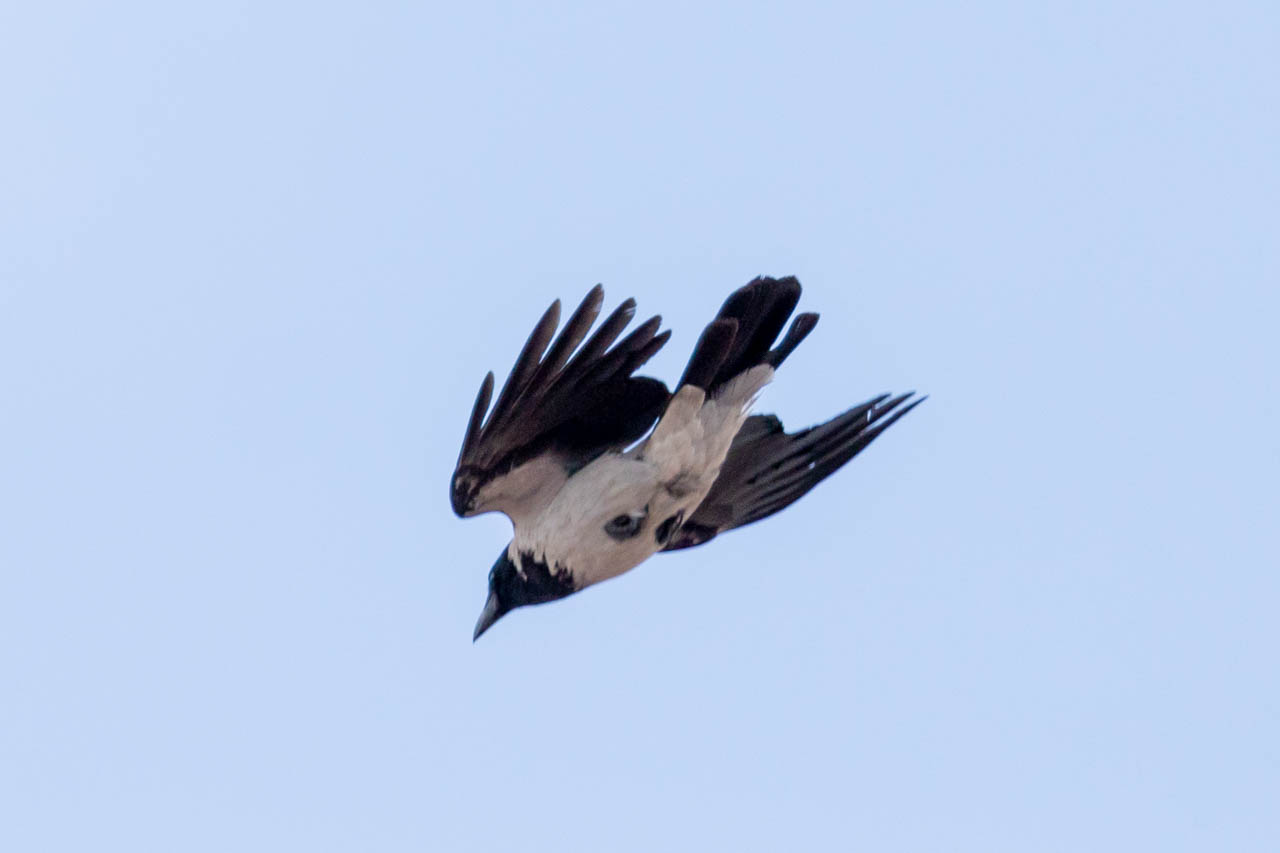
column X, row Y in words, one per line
column 743, row 332
column 709, row 354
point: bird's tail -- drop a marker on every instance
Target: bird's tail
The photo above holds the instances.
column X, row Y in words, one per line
column 743, row 333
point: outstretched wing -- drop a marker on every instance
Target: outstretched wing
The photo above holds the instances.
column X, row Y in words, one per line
column 562, row 406
column 768, row 469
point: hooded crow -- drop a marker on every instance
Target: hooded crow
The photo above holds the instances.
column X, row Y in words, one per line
column 561, row 451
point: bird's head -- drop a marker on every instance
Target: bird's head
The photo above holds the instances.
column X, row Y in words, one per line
column 609, row 539
column 516, row 582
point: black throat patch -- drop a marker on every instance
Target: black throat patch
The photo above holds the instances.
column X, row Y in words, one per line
column 540, row 582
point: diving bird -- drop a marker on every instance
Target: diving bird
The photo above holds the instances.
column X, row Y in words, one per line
column 571, row 454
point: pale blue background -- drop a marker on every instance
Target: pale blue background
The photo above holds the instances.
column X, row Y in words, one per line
column 254, row 262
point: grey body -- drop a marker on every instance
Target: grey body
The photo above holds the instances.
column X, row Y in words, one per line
column 559, row 453
column 664, row 478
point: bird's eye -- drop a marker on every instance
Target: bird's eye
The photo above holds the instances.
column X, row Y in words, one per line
column 625, row 526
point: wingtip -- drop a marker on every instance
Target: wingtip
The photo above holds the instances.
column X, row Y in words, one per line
column 886, row 415
column 913, row 403
column 907, row 397
column 547, row 324
column 592, row 302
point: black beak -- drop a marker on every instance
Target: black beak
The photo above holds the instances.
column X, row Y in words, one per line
column 491, row 613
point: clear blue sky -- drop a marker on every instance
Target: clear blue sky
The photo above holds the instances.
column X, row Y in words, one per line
column 255, row 259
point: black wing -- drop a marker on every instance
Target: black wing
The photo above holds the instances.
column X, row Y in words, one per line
column 559, row 409
column 768, row 469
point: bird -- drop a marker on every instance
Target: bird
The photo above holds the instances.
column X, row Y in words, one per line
column 598, row 469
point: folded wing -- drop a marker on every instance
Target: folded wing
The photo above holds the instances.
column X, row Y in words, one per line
column 566, row 402
column 768, row 469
